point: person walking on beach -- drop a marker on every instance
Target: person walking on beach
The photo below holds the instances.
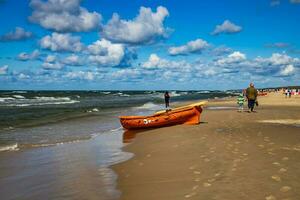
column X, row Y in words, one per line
column 167, row 99
column 251, row 94
column 240, row 102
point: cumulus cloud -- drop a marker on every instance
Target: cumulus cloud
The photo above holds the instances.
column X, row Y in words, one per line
column 64, row 16
column 73, row 60
column 61, row 42
column 4, row 70
column 287, row 70
column 28, row 56
column 52, row 66
column 51, row 63
column 145, row 28
column 227, row 27
column 155, row 62
column 81, row 75
column 235, row 57
column 107, row 54
column 16, row 35
column 195, row 46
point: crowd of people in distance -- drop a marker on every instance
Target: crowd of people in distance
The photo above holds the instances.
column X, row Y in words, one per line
column 290, row 92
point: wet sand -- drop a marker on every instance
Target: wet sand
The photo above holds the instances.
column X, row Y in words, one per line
column 229, row 156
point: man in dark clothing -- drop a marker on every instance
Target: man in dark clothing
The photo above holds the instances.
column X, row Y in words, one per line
column 251, row 94
column 167, row 99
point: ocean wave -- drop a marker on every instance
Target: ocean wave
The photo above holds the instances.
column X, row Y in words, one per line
column 3, row 99
column 93, row 110
column 42, row 103
column 18, row 96
column 53, row 98
column 203, row 92
column 122, row 94
column 174, row 94
column 149, row 106
column 105, row 92
column 12, row 147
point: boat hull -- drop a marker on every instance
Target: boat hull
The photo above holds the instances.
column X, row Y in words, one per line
column 185, row 116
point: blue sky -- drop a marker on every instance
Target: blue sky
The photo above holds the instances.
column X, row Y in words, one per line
column 148, row 45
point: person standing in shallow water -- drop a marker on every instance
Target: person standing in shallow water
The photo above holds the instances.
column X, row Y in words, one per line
column 251, row 94
column 167, row 99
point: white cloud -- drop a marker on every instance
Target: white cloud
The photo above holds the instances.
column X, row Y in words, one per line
column 64, row 16
column 145, row 28
column 50, row 58
column 278, row 59
column 73, row 60
column 288, row 70
column 81, row 75
column 105, row 53
column 52, row 66
column 235, row 57
column 61, row 42
column 126, row 74
column 194, row 46
column 227, row 27
column 155, row 62
column 29, row 56
column 18, row 34
column 4, row 70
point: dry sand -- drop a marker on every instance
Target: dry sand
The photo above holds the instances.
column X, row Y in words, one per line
column 228, row 156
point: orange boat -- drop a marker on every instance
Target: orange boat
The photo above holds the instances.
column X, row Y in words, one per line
column 183, row 115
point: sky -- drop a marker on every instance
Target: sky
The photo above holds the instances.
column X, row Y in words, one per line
column 149, row 44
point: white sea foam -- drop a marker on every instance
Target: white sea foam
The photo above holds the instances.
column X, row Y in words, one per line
column 93, row 110
column 203, row 92
column 106, row 92
column 149, row 106
column 174, row 94
column 53, row 98
column 3, row 99
column 43, row 103
column 18, row 96
column 13, row 147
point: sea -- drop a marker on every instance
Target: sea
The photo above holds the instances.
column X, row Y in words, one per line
column 61, row 143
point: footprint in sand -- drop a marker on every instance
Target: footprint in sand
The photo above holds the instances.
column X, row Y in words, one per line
column 285, row 188
column 202, row 156
column 276, row 178
column 148, row 155
column 197, row 172
column 271, row 143
column 195, row 187
column 217, row 174
column 271, row 153
column 190, row 195
column 261, row 146
column 271, row 197
column 192, row 167
column 211, row 180
column 282, row 170
column 197, row 179
column 206, row 160
column 276, row 163
column 285, row 158
column 141, row 164
column 233, row 169
column 206, row 184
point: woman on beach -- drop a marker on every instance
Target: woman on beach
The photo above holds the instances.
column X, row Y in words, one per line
column 167, row 99
column 251, row 94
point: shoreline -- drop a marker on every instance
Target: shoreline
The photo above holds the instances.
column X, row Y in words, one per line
column 230, row 155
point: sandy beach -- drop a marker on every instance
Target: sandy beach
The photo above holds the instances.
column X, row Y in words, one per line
column 228, row 156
